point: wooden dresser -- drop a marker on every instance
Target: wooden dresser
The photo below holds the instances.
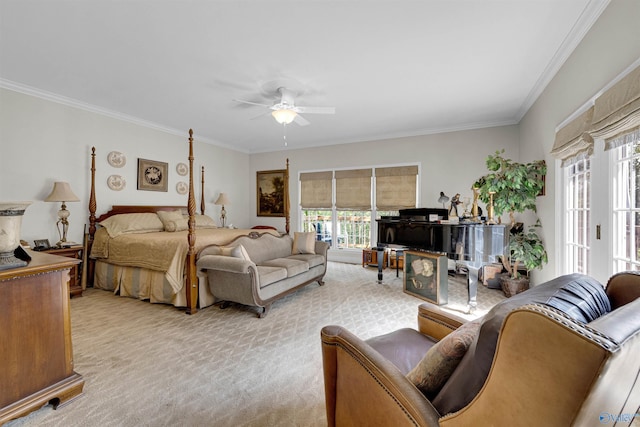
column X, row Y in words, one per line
column 36, row 353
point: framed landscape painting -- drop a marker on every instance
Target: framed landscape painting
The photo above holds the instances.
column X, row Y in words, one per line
column 271, row 188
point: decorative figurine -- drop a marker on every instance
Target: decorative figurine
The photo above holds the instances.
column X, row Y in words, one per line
column 455, row 201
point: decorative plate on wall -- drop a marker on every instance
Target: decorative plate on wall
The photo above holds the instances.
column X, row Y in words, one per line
column 182, row 169
column 116, row 182
column 182, row 187
column 116, row 159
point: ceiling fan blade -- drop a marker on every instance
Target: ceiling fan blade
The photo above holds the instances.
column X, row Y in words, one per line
column 251, row 103
column 301, row 121
column 316, row 110
column 266, row 113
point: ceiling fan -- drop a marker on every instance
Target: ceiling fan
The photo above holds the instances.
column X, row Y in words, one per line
column 286, row 111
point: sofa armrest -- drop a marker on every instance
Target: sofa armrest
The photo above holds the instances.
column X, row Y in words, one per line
column 321, row 248
column 437, row 323
column 225, row 263
column 364, row 388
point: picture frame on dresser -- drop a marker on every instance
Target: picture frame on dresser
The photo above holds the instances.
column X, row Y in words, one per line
column 41, row 244
column 425, row 275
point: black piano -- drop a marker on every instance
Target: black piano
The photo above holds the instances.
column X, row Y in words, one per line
column 471, row 244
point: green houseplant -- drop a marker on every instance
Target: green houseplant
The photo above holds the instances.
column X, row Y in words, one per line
column 515, row 187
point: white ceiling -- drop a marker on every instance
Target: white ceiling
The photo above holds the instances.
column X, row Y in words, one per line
column 390, row 68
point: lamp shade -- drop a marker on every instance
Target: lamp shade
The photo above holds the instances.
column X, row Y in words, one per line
column 284, row 116
column 61, row 193
column 222, row 199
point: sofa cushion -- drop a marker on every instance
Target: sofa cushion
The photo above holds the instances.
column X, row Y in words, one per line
column 266, row 247
column 437, row 365
column 310, row 259
column 304, row 243
column 469, row 377
column 293, row 266
column 269, row 275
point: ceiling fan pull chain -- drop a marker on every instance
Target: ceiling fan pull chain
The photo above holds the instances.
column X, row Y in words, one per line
column 284, row 131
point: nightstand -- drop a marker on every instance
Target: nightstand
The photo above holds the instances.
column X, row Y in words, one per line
column 74, row 251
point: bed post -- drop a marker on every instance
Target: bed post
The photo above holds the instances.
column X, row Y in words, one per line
column 92, row 219
column 287, row 208
column 202, row 191
column 191, row 285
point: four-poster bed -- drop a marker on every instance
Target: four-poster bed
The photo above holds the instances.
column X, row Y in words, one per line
column 156, row 262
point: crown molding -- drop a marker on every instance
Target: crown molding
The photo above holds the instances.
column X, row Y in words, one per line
column 70, row 102
column 588, row 17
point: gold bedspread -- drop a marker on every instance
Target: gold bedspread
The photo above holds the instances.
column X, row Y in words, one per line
column 160, row 251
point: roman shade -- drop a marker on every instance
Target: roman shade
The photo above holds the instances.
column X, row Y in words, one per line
column 316, row 190
column 617, row 111
column 353, row 189
column 573, row 141
column 396, row 187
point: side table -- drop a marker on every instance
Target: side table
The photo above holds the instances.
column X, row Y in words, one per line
column 75, row 252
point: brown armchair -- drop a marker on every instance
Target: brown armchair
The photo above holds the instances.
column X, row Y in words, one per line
column 544, row 366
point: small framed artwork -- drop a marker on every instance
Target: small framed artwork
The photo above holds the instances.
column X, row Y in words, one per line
column 271, row 188
column 41, row 245
column 152, row 175
column 425, row 276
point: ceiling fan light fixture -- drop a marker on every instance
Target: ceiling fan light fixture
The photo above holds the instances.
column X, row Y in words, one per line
column 284, row 116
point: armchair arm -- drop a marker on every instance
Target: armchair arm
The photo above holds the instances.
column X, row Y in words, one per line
column 364, row 388
column 437, row 323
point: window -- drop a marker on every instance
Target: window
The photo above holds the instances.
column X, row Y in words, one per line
column 341, row 206
column 600, row 151
column 626, row 204
column 577, row 216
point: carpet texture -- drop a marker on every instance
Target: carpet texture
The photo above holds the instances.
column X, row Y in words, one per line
column 152, row 365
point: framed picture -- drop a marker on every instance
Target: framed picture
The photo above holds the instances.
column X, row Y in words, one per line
column 41, row 245
column 271, row 188
column 425, row 276
column 152, row 175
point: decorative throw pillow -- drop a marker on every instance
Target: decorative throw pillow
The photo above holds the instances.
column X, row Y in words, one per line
column 177, row 225
column 169, row 216
column 442, row 359
column 132, row 223
column 235, row 251
column 304, row 243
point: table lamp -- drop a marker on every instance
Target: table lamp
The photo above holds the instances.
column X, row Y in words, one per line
column 222, row 200
column 62, row 193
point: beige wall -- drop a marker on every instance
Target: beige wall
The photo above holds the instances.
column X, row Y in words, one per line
column 43, row 141
column 449, row 162
column 612, row 45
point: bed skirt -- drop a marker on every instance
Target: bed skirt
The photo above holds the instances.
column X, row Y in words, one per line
column 145, row 284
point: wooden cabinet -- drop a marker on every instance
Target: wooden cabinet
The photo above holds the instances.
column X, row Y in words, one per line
column 75, row 252
column 36, row 353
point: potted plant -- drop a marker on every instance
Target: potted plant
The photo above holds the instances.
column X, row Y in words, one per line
column 512, row 188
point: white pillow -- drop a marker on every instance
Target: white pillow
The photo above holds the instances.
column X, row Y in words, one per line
column 235, row 251
column 132, row 223
column 304, row 243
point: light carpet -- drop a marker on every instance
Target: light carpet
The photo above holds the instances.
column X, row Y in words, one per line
column 152, row 365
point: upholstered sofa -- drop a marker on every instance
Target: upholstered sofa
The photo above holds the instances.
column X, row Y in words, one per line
column 257, row 269
column 554, row 355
